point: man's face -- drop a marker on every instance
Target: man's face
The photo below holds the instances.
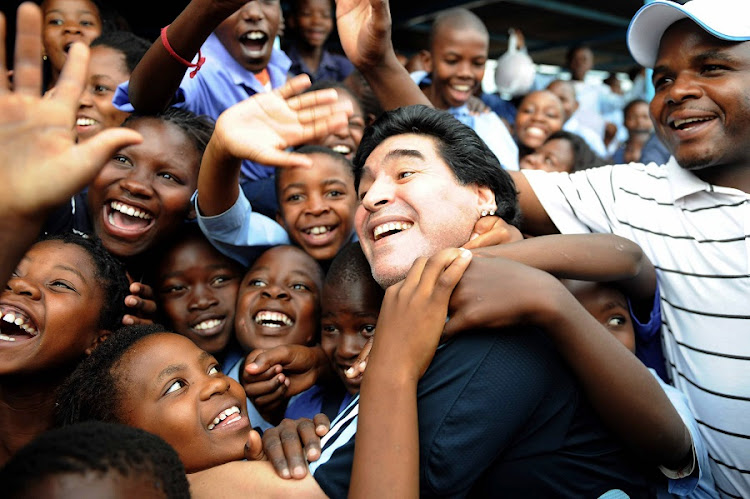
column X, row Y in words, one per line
column 702, row 104
column 412, row 206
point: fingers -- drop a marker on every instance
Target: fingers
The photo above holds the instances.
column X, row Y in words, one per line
column 265, row 359
column 4, row 76
column 69, row 84
column 322, row 424
column 143, row 290
column 312, row 99
column 254, row 447
column 359, row 365
column 310, row 439
column 443, row 271
column 27, row 77
column 283, row 446
column 92, row 155
column 295, row 86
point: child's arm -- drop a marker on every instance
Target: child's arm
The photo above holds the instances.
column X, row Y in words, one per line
column 494, row 294
column 41, row 166
column 260, row 129
column 157, row 76
column 364, row 28
column 386, row 452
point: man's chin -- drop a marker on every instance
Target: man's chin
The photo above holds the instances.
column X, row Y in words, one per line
column 389, row 276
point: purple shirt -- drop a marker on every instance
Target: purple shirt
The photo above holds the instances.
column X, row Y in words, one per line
column 332, row 66
column 221, row 83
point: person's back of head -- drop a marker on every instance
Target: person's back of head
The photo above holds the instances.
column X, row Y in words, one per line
column 464, row 152
column 95, row 459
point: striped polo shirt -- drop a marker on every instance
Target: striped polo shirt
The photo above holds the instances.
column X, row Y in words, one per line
column 696, row 234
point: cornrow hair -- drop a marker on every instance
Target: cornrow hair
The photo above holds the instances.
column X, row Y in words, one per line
column 198, row 128
column 132, row 47
column 101, row 449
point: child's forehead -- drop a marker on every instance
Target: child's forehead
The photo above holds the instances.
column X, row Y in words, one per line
column 326, row 168
column 193, row 250
column 287, row 260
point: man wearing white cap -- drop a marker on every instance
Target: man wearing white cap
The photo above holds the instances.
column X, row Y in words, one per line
column 691, row 216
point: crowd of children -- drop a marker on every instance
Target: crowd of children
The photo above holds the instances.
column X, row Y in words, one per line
column 212, row 242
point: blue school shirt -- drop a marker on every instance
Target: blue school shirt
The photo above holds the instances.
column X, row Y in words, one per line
column 332, row 66
column 221, row 83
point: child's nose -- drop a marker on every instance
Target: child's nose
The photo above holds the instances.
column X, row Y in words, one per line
column 21, row 286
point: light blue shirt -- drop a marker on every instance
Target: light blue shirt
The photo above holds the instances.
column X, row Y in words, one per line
column 221, row 83
column 493, row 132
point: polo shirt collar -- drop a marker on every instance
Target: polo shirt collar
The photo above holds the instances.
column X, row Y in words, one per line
column 238, row 74
column 682, row 182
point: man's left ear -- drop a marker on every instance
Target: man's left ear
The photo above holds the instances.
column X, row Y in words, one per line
column 100, row 337
column 486, row 199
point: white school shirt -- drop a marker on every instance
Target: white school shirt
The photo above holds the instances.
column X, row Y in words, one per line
column 698, row 237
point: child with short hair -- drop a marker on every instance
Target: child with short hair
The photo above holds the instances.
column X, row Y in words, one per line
column 346, row 139
column 311, row 23
column 93, row 458
column 349, row 312
column 640, row 129
column 459, row 44
column 113, row 57
column 562, row 152
column 196, row 288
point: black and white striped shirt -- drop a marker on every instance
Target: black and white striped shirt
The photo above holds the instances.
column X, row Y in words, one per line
column 696, row 234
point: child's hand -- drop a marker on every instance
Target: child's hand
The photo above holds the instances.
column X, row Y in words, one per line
column 40, row 164
column 298, row 367
column 491, row 231
column 292, row 442
column 360, row 363
column 364, row 28
column 140, row 302
column 266, row 388
column 254, row 447
column 262, row 127
column 496, row 292
column 413, row 313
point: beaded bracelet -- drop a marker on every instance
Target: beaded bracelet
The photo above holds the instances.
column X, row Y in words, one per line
column 176, row 56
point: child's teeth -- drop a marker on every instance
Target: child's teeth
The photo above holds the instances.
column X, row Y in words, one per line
column 9, row 318
column 6, row 338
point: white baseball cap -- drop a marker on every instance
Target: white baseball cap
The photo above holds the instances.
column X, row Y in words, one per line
column 724, row 19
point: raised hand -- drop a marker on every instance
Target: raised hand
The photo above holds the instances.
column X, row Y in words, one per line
column 40, row 163
column 364, row 28
column 262, row 127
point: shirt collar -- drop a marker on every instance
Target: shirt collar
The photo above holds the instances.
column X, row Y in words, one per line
column 683, row 182
column 214, row 49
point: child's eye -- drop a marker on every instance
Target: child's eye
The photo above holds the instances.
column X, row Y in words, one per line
column 123, row 160
column 293, row 198
column 176, row 288
column 55, row 22
column 300, row 286
column 176, row 385
column 214, row 370
column 616, row 321
column 101, row 89
column 367, row 330
column 218, row 280
column 257, row 283
column 62, row 284
column 170, row 176
column 329, row 329
column 87, row 23
column 335, row 194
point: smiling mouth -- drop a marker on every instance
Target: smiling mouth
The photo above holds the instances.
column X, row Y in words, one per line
column 226, row 417
column 15, row 325
column 205, row 326
column 254, row 41
column 128, row 218
column 684, row 124
column 390, row 228
column 342, row 149
column 82, row 121
column 266, row 318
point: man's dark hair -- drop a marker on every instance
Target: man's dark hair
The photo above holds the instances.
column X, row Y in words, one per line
column 583, row 156
column 110, row 274
column 198, row 128
column 92, row 391
column 471, row 161
column 99, row 448
column 131, row 46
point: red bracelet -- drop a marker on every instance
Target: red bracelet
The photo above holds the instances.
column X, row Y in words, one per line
column 176, row 56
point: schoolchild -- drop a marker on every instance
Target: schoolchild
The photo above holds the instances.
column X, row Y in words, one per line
column 96, row 459
column 350, row 306
column 566, row 92
column 311, row 23
column 459, row 44
column 562, row 152
column 346, row 139
column 196, row 289
column 540, row 114
column 640, row 130
column 234, row 44
column 112, row 58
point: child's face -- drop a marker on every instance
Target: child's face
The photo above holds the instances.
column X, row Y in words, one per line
column 50, row 309
column 567, row 94
column 143, row 193
column 348, row 317
column 173, row 389
column 555, row 155
column 458, row 58
column 197, row 289
column 345, row 140
column 279, row 300
column 96, row 112
column 317, row 205
column 609, row 306
column 248, row 34
column 637, row 119
column 65, row 22
column 539, row 116
column 314, row 21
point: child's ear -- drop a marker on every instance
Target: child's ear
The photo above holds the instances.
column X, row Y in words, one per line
column 102, row 335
